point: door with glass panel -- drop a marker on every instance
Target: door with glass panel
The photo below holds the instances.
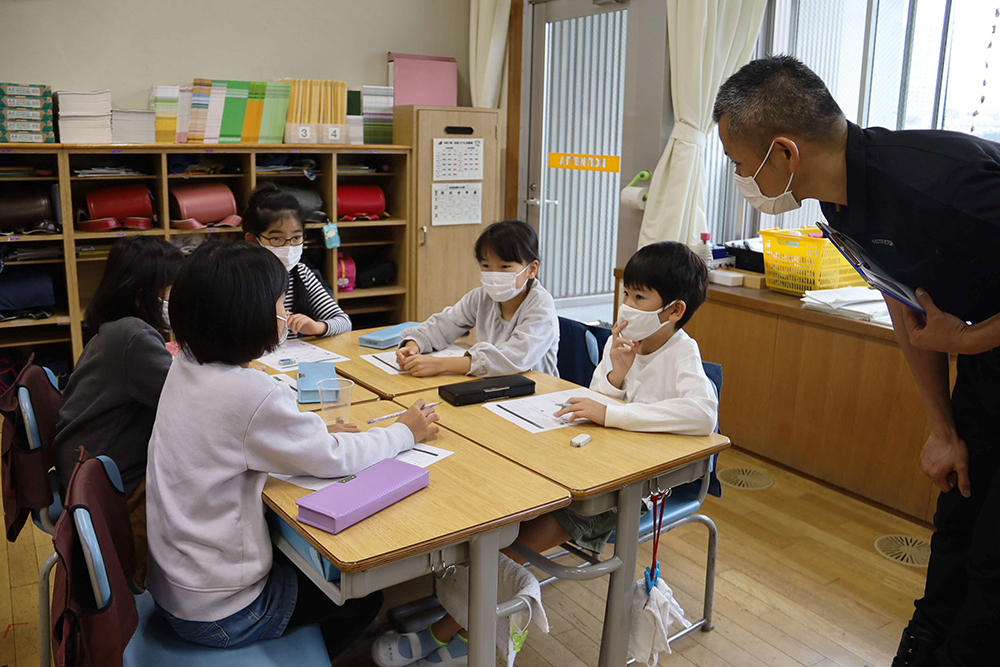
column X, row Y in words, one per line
column 575, row 137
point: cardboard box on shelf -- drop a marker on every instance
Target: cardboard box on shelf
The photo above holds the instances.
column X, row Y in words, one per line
column 25, row 90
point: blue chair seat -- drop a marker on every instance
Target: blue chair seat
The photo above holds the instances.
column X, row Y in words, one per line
column 682, row 502
column 155, row 645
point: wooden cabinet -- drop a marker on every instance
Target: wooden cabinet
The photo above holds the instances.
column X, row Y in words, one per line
column 444, row 267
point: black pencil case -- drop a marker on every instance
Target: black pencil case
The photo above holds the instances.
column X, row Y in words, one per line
column 480, row 391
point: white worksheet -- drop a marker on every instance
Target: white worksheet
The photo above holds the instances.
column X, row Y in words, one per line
column 290, row 353
column 458, row 160
column 457, row 204
column 534, row 413
column 386, row 361
column 422, row 455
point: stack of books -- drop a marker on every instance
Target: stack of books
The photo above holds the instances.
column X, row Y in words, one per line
column 84, row 117
column 355, row 121
column 272, row 124
column 163, row 101
column 26, row 113
column 133, row 126
column 232, row 112
column 317, row 101
column 183, row 114
column 376, row 107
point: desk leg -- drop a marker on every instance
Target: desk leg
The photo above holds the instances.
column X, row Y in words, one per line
column 617, row 613
column 483, row 550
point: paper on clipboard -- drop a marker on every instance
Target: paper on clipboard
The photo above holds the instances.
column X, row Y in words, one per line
column 873, row 273
column 386, row 361
column 534, row 413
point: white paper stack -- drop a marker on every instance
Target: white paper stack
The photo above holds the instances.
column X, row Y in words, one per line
column 133, row 126
column 356, row 130
column 216, row 105
column 859, row 303
column 84, row 117
column 183, row 114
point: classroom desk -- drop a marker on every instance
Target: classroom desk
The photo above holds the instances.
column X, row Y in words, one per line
column 358, row 395
column 470, row 510
column 367, row 375
column 614, row 470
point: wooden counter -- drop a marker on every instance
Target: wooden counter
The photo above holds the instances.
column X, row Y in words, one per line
column 825, row 395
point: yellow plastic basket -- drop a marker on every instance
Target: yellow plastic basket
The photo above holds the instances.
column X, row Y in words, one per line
column 795, row 262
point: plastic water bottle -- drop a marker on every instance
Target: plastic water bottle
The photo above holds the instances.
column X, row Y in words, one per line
column 705, row 247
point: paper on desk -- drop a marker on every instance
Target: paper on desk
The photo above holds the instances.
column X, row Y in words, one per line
column 534, row 413
column 422, row 455
column 296, row 351
column 386, row 361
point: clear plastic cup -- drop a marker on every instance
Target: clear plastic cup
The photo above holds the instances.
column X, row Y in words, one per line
column 335, row 400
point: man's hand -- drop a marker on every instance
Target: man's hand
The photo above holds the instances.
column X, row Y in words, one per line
column 302, row 325
column 942, row 456
column 622, row 356
column 585, row 408
column 937, row 331
column 407, row 350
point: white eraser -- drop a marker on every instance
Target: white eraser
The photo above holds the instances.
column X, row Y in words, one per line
column 580, row 440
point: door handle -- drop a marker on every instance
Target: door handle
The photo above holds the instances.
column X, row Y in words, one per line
column 424, row 230
column 537, row 202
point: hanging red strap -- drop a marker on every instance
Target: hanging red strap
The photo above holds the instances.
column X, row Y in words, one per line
column 659, row 501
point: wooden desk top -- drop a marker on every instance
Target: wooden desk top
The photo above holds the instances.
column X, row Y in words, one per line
column 367, row 375
column 613, row 459
column 471, row 492
column 358, row 395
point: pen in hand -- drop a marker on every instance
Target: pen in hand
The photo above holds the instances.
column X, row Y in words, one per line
column 397, row 414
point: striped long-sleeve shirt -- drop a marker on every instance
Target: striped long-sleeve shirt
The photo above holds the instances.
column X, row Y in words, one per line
column 307, row 296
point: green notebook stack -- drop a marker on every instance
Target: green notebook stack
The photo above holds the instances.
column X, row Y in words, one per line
column 272, row 123
column 233, row 111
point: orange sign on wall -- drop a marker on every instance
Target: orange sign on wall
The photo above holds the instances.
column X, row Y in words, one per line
column 608, row 163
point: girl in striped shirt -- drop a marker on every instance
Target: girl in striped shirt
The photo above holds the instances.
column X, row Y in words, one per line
column 273, row 219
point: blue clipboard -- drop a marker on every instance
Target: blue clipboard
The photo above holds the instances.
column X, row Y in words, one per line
column 873, row 273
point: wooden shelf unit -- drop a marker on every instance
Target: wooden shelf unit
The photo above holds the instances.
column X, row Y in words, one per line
column 392, row 237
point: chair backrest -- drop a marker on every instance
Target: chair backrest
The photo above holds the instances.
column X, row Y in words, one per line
column 580, row 349
column 46, row 518
column 92, row 556
column 714, row 373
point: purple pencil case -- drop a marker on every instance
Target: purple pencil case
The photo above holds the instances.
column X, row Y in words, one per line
column 357, row 497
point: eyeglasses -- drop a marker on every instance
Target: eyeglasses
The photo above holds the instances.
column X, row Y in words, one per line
column 281, row 241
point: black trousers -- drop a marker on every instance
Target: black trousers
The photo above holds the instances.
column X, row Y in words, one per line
column 340, row 625
column 961, row 603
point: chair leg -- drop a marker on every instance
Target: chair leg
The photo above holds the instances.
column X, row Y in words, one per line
column 44, row 612
column 713, row 552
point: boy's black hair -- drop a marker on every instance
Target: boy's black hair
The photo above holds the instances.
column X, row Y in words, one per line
column 673, row 271
column 269, row 204
column 510, row 240
column 222, row 305
column 138, row 269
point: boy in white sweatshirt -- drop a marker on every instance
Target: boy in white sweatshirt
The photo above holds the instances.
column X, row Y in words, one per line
column 220, row 428
column 652, row 365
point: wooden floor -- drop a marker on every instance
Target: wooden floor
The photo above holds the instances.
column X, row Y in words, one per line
column 798, row 584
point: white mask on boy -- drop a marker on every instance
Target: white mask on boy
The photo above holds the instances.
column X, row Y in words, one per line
column 288, row 254
column 501, row 285
column 641, row 323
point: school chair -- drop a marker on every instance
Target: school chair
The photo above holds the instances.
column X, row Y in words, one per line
column 681, row 506
column 580, row 349
column 154, row 643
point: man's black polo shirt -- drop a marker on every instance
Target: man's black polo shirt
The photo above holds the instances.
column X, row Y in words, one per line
column 926, row 205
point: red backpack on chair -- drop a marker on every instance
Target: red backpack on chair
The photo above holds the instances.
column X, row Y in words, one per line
column 25, row 465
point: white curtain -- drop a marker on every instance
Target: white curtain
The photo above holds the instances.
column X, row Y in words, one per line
column 707, row 41
column 488, row 20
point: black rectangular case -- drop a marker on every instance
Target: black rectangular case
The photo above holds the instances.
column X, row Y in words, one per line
column 480, row 391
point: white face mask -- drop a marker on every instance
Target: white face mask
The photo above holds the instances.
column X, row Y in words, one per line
column 501, row 285
column 747, row 185
column 641, row 323
column 165, row 311
column 284, row 330
column 288, row 254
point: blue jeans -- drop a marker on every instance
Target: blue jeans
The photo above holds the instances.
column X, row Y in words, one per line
column 264, row 618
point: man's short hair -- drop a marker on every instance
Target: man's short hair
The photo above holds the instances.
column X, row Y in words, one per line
column 774, row 96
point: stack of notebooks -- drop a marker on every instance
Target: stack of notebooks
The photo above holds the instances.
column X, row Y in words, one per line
column 317, row 101
column 133, row 126
column 232, row 112
column 355, row 121
column 26, row 113
column 857, row 303
column 376, row 107
column 163, row 102
column 84, row 117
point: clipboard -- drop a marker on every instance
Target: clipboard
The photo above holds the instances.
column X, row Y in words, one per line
column 873, row 273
